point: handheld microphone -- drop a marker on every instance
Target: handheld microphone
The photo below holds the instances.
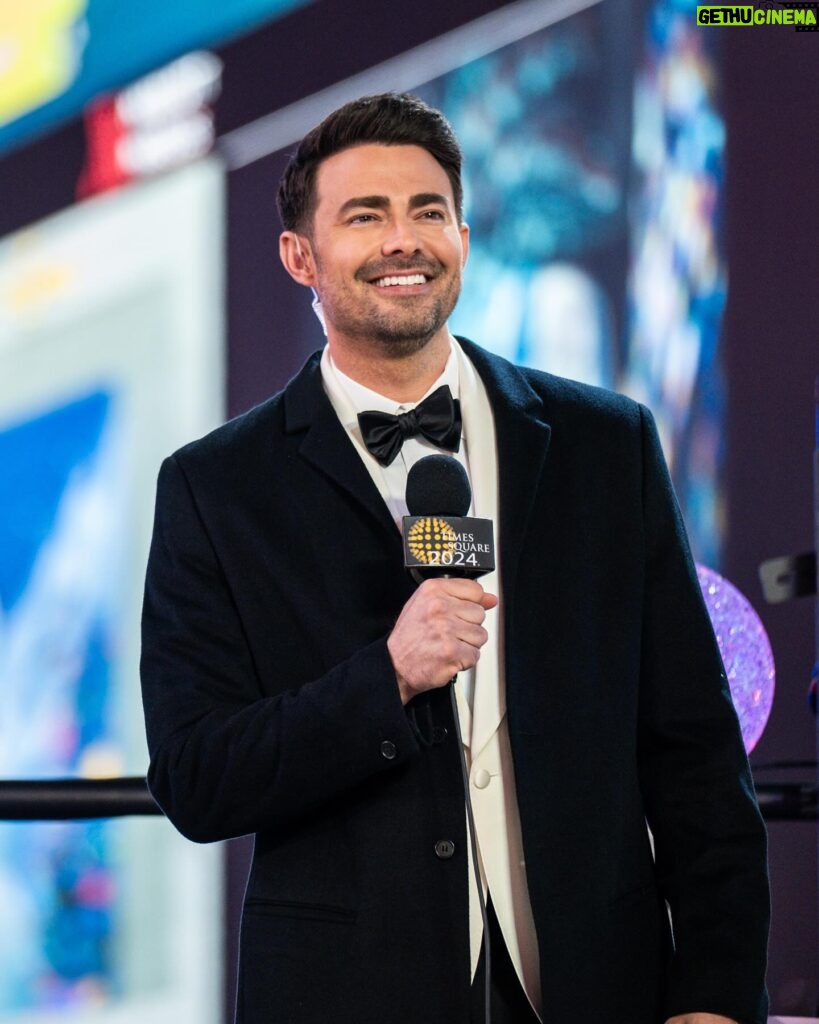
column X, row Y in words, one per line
column 439, row 538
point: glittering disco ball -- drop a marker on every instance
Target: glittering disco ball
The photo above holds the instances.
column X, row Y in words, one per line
column 745, row 650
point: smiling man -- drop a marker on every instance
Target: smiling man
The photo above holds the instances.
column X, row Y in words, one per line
column 296, row 681
column 387, row 264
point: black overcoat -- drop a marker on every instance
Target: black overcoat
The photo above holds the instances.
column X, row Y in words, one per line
column 274, row 578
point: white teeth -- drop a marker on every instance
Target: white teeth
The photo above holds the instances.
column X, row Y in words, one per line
column 386, row 282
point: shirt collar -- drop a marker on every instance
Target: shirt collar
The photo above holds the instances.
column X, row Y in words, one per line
column 349, row 398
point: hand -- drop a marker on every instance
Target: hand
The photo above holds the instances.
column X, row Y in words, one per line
column 438, row 634
column 701, row 1018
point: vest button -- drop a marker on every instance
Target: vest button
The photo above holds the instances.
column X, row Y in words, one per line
column 388, row 750
column 439, row 734
column 444, row 849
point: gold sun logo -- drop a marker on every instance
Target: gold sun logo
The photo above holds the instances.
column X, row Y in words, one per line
column 430, row 539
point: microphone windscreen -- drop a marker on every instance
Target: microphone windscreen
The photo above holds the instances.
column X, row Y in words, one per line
column 438, row 486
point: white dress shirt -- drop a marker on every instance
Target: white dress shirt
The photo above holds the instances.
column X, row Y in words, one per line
column 480, row 692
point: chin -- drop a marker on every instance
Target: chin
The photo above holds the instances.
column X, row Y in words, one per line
column 399, row 346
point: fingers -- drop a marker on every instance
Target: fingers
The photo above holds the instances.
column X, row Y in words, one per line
column 439, row 633
column 466, row 590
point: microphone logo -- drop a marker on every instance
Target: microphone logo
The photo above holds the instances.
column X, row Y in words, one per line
column 432, row 541
column 449, row 546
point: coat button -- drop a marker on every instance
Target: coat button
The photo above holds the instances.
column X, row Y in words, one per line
column 444, row 849
column 439, row 734
column 482, row 778
column 388, row 750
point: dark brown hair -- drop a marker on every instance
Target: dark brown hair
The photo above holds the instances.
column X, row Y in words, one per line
column 391, row 119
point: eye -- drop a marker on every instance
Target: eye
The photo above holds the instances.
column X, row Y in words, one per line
column 362, row 218
column 432, row 215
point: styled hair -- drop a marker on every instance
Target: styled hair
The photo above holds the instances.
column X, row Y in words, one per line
column 390, row 119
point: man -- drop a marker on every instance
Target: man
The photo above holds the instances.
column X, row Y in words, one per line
column 296, row 681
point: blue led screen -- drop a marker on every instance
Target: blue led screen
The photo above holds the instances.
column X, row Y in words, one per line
column 95, row 46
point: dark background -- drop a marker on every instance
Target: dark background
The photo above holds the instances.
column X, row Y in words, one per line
column 770, row 102
column 771, row 358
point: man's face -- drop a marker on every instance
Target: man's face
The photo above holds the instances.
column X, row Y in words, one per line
column 387, row 250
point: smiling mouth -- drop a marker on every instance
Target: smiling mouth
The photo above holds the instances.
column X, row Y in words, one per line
column 400, row 279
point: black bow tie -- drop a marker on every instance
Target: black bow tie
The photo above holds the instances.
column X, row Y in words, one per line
column 437, row 418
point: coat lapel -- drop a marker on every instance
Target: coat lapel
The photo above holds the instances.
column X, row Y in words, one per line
column 327, row 447
column 522, row 436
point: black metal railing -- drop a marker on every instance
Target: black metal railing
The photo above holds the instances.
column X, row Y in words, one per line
column 78, row 799
column 74, row 799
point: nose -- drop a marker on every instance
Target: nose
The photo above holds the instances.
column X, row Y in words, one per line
column 400, row 237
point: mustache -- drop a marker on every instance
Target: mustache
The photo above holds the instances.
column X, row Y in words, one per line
column 399, row 265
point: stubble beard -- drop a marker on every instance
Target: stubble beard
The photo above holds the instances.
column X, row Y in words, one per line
column 404, row 331
column 399, row 336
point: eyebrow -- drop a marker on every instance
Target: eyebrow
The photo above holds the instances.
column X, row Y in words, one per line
column 383, row 202
column 427, row 199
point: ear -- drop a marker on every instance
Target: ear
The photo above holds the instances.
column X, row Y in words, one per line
column 296, row 255
column 464, row 232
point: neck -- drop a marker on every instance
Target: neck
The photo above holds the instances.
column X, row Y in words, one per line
column 403, row 378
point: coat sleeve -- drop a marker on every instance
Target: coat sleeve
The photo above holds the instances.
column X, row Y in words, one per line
column 710, row 843
column 225, row 760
